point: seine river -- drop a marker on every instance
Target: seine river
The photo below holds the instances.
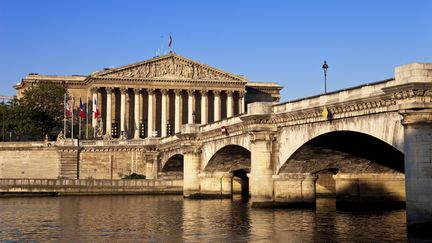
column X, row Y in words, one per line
column 172, row 219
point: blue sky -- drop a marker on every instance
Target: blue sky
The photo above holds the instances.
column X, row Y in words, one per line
column 280, row 41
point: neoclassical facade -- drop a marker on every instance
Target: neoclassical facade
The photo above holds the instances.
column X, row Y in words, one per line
column 154, row 98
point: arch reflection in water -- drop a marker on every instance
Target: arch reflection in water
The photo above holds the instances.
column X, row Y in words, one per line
column 173, row 219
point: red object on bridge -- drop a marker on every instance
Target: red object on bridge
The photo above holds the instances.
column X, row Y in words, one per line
column 224, row 130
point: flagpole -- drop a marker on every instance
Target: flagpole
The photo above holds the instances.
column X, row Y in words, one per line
column 79, row 127
column 87, row 113
column 72, row 119
column 79, row 120
column 64, row 115
column 93, row 117
column 170, row 43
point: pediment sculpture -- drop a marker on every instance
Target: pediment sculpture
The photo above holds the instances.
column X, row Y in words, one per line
column 169, row 68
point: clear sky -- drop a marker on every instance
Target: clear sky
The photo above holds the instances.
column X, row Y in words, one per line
column 280, row 41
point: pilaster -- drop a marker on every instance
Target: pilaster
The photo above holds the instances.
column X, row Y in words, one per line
column 151, row 158
column 418, row 168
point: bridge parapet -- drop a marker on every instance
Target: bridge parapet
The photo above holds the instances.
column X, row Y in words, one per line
column 365, row 91
column 414, row 73
column 217, row 125
column 100, row 143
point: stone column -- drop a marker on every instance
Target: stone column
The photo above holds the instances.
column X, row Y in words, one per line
column 418, row 168
column 217, row 105
column 242, row 102
column 177, row 120
column 151, row 112
column 261, row 181
column 94, row 102
column 191, row 169
column 204, row 103
column 123, row 110
column 151, row 165
column 136, row 112
column 230, row 105
column 108, row 110
column 190, row 106
column 164, row 113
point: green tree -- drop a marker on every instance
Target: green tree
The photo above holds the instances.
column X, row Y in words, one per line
column 43, row 104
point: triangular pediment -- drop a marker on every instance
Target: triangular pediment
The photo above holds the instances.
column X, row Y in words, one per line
column 171, row 66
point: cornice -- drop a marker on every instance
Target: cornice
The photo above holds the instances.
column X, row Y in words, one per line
column 390, row 101
column 161, row 81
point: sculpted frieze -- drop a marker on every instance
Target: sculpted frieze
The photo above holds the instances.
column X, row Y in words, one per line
column 170, row 68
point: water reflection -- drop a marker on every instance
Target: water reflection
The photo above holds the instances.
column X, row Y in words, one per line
column 172, row 219
column 215, row 220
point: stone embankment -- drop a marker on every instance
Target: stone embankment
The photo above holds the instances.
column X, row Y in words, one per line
column 17, row 187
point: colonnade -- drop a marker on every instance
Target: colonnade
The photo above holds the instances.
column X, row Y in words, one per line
column 138, row 102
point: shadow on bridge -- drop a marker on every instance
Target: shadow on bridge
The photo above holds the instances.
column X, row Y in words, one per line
column 356, row 168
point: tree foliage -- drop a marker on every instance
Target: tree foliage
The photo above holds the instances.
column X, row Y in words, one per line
column 38, row 113
column 134, row 176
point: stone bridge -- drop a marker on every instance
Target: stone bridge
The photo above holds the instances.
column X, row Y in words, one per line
column 370, row 143
column 365, row 144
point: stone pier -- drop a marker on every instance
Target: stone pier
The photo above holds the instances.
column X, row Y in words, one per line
column 294, row 190
column 216, row 185
column 418, row 168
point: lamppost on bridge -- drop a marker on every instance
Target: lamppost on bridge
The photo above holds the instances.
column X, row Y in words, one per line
column 325, row 67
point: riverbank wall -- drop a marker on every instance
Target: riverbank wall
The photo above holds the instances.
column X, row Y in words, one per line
column 22, row 187
column 73, row 159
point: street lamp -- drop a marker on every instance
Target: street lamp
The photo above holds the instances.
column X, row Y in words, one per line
column 325, row 67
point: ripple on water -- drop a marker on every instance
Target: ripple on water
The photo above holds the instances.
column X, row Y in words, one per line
column 172, row 219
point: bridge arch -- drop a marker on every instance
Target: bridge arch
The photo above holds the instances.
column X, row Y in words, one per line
column 351, row 166
column 230, row 158
column 386, row 127
column 231, row 164
column 166, row 155
column 173, row 166
column 209, row 149
column 346, row 152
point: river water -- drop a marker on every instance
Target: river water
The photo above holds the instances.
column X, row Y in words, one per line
column 173, row 219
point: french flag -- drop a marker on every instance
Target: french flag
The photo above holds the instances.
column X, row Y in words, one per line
column 67, row 109
column 96, row 113
column 82, row 115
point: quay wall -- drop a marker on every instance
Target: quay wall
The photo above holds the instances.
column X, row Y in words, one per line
column 89, row 186
column 49, row 160
column 111, row 164
column 29, row 160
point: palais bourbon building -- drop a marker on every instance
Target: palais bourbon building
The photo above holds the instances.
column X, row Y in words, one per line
column 153, row 98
